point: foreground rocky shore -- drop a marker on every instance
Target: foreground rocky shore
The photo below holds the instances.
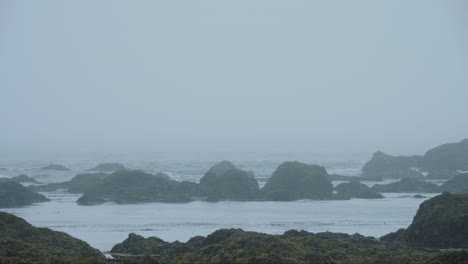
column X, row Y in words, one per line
column 438, row 234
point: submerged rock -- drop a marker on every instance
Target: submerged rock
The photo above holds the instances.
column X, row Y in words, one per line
column 108, row 167
column 56, row 167
column 355, row 189
column 295, row 180
column 407, row 185
column 21, row 242
column 440, row 222
column 14, row 194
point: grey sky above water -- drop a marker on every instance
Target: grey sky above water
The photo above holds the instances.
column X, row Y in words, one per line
column 300, row 76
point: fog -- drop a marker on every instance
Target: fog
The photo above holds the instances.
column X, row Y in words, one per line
column 241, row 76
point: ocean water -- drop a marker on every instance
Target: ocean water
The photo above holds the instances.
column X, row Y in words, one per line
column 103, row 226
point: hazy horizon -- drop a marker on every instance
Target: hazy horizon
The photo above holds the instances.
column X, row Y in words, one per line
column 243, row 76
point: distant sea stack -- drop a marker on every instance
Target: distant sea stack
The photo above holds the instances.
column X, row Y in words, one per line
column 14, row 194
column 296, row 180
column 356, row 189
column 442, row 162
column 55, row 167
column 440, row 222
column 224, row 181
column 108, row 167
column 20, row 178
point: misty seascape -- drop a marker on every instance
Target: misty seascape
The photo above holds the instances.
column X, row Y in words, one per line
column 222, row 132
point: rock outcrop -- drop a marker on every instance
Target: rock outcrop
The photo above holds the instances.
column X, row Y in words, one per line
column 21, row 242
column 55, row 167
column 442, row 162
column 126, row 186
column 295, row 180
column 225, row 181
column 440, row 222
column 238, row 246
column 385, row 166
column 14, row 194
column 356, row 189
column 20, row 178
column 407, row 185
column 108, row 167
column 459, row 184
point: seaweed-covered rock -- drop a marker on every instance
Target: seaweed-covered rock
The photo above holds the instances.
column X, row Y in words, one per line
column 238, row 246
column 56, row 167
column 295, row 180
column 452, row 257
column 440, row 222
column 385, row 166
column 225, row 181
column 459, row 184
column 356, row 189
column 15, row 194
column 407, row 185
column 21, row 242
column 108, row 167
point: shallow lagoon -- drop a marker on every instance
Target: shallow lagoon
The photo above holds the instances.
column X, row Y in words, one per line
column 102, row 226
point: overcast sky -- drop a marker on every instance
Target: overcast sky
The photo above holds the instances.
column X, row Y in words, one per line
column 299, row 76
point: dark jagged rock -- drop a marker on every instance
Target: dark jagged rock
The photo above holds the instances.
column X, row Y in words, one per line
column 21, row 242
column 441, row 162
column 224, row 181
column 108, row 167
column 356, row 189
column 238, row 246
column 295, row 180
column 451, row 156
column 15, row 194
column 459, row 184
column 56, row 167
column 407, row 185
column 385, row 166
column 90, row 199
column 440, row 222
column 136, row 186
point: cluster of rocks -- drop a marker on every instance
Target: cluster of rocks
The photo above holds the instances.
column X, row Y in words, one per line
column 440, row 223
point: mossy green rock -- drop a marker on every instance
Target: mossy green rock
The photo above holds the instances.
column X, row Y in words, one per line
column 21, row 242
column 295, row 180
column 14, row 194
column 238, row 246
column 440, row 222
